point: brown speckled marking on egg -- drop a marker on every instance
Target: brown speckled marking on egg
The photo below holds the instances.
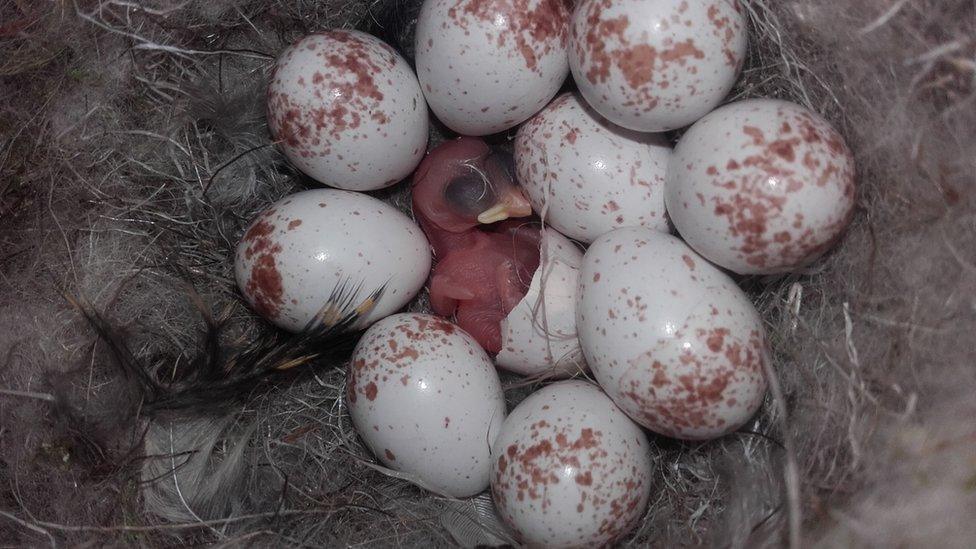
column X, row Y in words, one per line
column 287, row 272
column 588, row 175
column 673, row 340
column 537, row 28
column 263, row 286
column 439, row 393
column 335, row 98
column 304, row 127
column 570, row 469
column 774, row 185
column 506, row 59
column 714, row 384
column 655, row 66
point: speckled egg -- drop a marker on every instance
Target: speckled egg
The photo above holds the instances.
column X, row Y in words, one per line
column 488, row 65
column 656, row 66
column 539, row 334
column 587, row 176
column 570, row 469
column 670, row 338
column 313, row 251
column 761, row 186
column 347, row 110
column 427, row 401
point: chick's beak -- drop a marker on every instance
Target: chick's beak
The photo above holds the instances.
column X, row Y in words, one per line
column 512, row 204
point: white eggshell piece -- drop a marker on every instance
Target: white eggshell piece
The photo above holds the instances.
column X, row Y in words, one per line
column 347, row 110
column 587, row 176
column 539, row 335
column 488, row 65
column 761, row 186
column 673, row 341
column 570, row 469
column 656, row 66
column 296, row 253
column 427, row 401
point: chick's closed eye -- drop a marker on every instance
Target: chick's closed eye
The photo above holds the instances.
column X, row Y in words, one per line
column 470, row 193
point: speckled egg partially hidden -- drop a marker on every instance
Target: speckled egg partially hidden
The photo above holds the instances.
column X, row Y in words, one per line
column 670, row 338
column 761, row 186
column 587, row 176
column 313, row 251
column 656, row 66
column 570, row 469
column 487, row 65
column 347, row 110
column 427, row 401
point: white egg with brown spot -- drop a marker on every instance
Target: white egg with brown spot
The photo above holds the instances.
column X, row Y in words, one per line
column 761, row 186
column 670, row 338
column 656, row 66
column 587, row 176
column 427, row 401
column 487, row 65
column 539, row 334
column 347, row 110
column 318, row 253
column 570, row 469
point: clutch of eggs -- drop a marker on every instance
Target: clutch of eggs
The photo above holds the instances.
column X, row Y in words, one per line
column 758, row 186
column 347, row 110
column 316, row 250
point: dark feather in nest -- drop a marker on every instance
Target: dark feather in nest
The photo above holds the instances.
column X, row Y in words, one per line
column 220, row 375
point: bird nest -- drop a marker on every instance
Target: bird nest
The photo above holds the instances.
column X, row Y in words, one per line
column 133, row 151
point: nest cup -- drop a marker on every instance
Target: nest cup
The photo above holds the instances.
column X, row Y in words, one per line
column 134, row 152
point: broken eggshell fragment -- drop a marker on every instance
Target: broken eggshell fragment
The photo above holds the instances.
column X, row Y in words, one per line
column 569, row 469
column 761, row 186
column 539, row 335
column 314, row 251
column 670, row 338
column 427, row 401
column 347, row 110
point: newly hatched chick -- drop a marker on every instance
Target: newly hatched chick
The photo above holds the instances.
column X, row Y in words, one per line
column 467, row 201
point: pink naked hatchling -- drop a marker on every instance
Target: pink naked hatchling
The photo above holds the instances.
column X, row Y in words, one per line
column 465, row 199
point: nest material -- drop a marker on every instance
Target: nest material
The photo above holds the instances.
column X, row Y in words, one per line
column 134, row 151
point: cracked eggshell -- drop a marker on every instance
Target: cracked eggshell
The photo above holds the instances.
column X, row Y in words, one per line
column 347, row 110
column 670, row 338
column 656, row 66
column 539, row 336
column 296, row 253
column 427, row 401
column 589, row 176
column 570, row 469
column 761, row 186
column 488, row 65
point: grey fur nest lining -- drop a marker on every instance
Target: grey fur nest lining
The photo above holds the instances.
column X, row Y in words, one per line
column 133, row 150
